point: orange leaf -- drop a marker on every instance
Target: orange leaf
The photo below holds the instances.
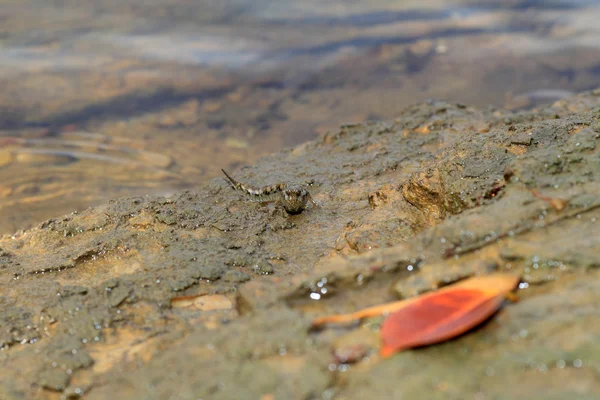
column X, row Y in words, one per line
column 436, row 316
column 495, row 284
column 445, row 314
column 556, row 203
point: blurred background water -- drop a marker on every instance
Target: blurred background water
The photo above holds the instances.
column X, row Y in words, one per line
column 110, row 98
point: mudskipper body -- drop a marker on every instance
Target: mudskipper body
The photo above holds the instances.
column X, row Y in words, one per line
column 293, row 198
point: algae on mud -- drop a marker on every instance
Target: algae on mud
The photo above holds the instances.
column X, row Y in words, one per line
column 443, row 192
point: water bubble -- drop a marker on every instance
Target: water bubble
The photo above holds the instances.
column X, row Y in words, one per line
column 315, row 296
column 578, row 363
column 543, row 368
column 328, row 393
column 410, row 268
column 523, row 333
column 523, row 285
column 322, row 282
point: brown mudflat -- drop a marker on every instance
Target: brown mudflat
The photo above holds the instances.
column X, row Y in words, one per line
column 205, row 295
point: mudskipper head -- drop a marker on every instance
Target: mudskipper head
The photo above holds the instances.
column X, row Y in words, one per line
column 294, row 199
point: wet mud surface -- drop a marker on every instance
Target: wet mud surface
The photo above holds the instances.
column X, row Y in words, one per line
column 205, row 295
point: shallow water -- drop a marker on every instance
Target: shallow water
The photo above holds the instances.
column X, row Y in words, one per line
column 107, row 99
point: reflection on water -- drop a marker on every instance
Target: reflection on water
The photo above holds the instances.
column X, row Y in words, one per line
column 104, row 99
column 77, row 168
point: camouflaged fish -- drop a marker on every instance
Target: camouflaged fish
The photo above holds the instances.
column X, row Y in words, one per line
column 293, row 198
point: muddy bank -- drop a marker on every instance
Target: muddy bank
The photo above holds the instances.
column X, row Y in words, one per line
column 203, row 295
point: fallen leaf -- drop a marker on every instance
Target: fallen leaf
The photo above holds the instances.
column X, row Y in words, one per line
column 555, row 202
column 423, row 129
column 436, row 319
column 437, row 316
column 350, row 354
column 445, row 314
column 203, row 302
